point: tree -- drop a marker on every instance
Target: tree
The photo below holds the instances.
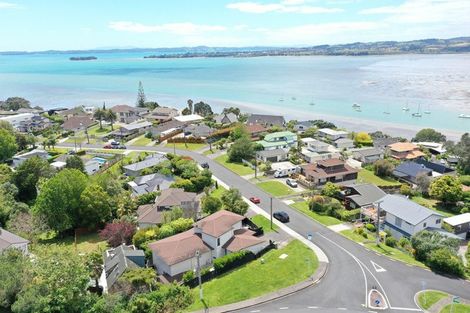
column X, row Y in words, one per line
column 309, row 132
column 429, row 134
column 242, row 148
column 363, row 139
column 211, row 204
column 233, row 110
column 423, row 182
column 172, row 215
column 141, row 99
column 185, row 111
column 59, row 282
column 94, row 265
column 169, row 298
column 136, row 280
column 95, row 208
column 203, row 109
column 100, row 115
column 383, row 168
column 190, row 106
column 444, row 261
column 462, row 150
column 323, row 124
column 27, row 176
column 424, row 242
column 110, row 117
column 232, row 201
column 238, row 132
column 14, row 275
column 6, row 173
column 446, row 188
column 59, row 200
column 23, row 141
column 27, row 225
column 74, row 161
column 8, row 145
column 14, row 104
column 118, row 232
column 330, row 190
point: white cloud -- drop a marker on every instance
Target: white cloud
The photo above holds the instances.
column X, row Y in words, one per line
column 285, row 6
column 425, row 11
column 8, row 5
column 175, row 28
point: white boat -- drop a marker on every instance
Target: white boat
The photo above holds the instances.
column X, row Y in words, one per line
column 417, row 113
column 281, row 100
column 464, row 116
column 355, row 105
column 406, row 108
column 428, row 111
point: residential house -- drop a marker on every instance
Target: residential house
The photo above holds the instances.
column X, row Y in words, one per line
column 279, row 140
column 459, row 224
column 18, row 159
column 198, row 131
column 68, row 113
column 382, row 143
column 410, row 171
column 438, row 169
column 126, row 114
column 150, row 183
column 266, row 120
column 214, row 236
column 367, row 155
column 226, row 118
column 58, row 165
column 433, row 147
column 276, row 155
column 36, row 123
column 152, row 214
column 404, row 217
column 117, row 261
column 16, row 120
column 331, row 170
column 92, row 166
column 404, row 151
column 162, row 114
column 332, row 134
column 343, row 143
column 132, row 129
column 167, row 128
column 78, row 123
column 361, row 195
column 302, row 126
column 317, row 150
column 89, row 110
column 192, row 118
column 255, row 130
column 11, row 241
column 135, row 169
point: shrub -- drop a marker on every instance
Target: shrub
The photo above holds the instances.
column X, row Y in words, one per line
column 404, row 243
column 188, row 276
column 383, row 168
column 370, row 227
column 359, row 230
column 182, row 224
column 166, row 231
column 391, row 242
column 406, row 190
column 227, row 262
column 118, row 232
column 330, row 190
column 425, row 242
column 145, row 235
column 364, row 234
column 445, row 261
column 349, row 215
column 147, row 198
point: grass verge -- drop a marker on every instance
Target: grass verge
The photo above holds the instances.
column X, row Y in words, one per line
column 275, row 188
column 264, row 223
column 217, row 193
column 238, row 168
column 458, row 308
column 427, row 299
column 141, row 141
column 322, row 219
column 256, row 278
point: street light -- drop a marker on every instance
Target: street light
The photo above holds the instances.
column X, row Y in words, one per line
column 198, row 255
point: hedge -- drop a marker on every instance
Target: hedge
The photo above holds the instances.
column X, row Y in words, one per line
column 230, row 261
column 186, row 140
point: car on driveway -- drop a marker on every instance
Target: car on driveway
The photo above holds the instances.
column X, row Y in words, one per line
column 255, row 200
column 281, row 216
column 292, row 182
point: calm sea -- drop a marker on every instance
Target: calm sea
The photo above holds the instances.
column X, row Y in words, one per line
column 438, row 86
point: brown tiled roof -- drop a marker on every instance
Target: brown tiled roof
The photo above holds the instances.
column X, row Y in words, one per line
column 122, row 108
column 242, row 239
column 318, row 172
column 74, row 122
column 174, row 196
column 149, row 214
column 219, row 223
column 255, row 128
column 178, row 248
column 414, row 154
column 402, row 146
column 330, row 162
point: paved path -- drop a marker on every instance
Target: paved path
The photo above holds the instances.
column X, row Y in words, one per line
column 352, row 269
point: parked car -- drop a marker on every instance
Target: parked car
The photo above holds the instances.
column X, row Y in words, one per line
column 281, row 216
column 115, row 143
column 108, row 147
column 292, row 182
column 255, row 200
column 205, row 165
column 119, row 147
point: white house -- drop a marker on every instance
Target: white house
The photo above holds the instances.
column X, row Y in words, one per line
column 18, row 159
column 404, row 217
column 17, row 119
column 11, row 241
column 317, row 150
column 214, row 236
column 92, row 166
column 332, row 134
column 343, row 143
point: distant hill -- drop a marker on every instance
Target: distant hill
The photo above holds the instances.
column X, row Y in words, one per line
column 424, row 46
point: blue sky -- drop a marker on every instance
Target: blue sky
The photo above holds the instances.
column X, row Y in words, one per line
column 87, row 24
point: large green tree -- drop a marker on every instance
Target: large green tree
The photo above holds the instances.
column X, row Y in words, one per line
column 211, row 204
column 74, row 161
column 242, row 148
column 232, row 201
column 14, row 104
column 141, row 99
column 429, row 134
column 462, row 150
column 95, row 207
column 446, row 188
column 14, row 275
column 203, row 109
column 59, row 200
column 27, row 175
column 8, row 144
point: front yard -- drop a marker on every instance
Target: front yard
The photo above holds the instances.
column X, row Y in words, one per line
column 275, row 188
column 217, row 193
column 264, row 223
column 366, row 176
column 322, row 219
column 238, row 168
column 187, row 146
column 141, row 141
column 261, row 276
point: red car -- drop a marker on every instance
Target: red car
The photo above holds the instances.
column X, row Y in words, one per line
column 255, row 200
column 108, row 147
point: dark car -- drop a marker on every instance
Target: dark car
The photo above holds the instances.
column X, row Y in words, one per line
column 281, row 216
column 115, row 143
column 205, row 165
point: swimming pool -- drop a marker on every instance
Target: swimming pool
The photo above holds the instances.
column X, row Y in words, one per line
column 100, row 160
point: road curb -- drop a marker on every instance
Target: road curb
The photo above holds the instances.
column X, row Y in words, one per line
column 281, row 293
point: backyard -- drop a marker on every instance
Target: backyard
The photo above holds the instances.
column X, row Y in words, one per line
column 86, row 243
column 259, row 277
column 238, row 168
column 275, row 188
column 322, row 219
column 264, row 223
column 432, row 204
column 366, row 176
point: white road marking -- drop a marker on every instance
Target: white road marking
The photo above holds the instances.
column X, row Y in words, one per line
column 378, row 268
column 284, row 308
column 406, row 309
column 312, row 307
column 343, row 309
column 255, row 311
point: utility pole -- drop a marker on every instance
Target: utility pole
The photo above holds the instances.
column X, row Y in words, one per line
column 377, row 240
column 198, row 255
column 271, row 210
column 256, row 167
column 174, row 147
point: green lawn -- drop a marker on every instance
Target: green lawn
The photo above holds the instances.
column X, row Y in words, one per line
column 141, row 141
column 264, row 223
column 322, row 219
column 217, row 193
column 188, row 146
column 95, row 130
column 458, row 308
column 256, row 278
column 238, row 168
column 366, row 176
column 85, row 243
column 369, row 243
column 433, row 205
column 275, row 188
column 428, row 298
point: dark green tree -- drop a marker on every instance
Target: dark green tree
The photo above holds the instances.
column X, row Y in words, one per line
column 110, row 117
column 429, row 134
column 8, row 145
column 100, row 115
column 203, row 109
column 14, row 275
column 190, row 106
column 242, row 148
column 462, row 150
column 232, row 201
column 95, row 208
column 27, row 176
column 211, row 204
column 14, row 104
column 141, row 99
column 74, row 161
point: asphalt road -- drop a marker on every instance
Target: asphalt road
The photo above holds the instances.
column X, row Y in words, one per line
column 351, row 273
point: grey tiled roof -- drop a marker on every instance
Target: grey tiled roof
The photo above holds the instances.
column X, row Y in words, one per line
column 148, row 162
column 119, row 259
column 367, row 194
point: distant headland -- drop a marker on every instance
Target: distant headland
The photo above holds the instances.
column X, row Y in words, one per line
column 83, row 58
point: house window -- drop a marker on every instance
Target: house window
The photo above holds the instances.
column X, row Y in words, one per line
column 438, row 221
column 398, row 221
column 424, row 225
column 218, row 242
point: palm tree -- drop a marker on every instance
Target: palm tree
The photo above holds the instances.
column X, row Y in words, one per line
column 100, row 115
column 111, row 117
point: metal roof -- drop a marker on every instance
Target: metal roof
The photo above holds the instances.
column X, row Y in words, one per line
column 405, row 209
column 458, row 219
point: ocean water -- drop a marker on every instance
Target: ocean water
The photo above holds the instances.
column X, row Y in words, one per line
column 298, row 87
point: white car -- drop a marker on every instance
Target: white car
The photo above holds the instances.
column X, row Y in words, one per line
column 292, row 182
